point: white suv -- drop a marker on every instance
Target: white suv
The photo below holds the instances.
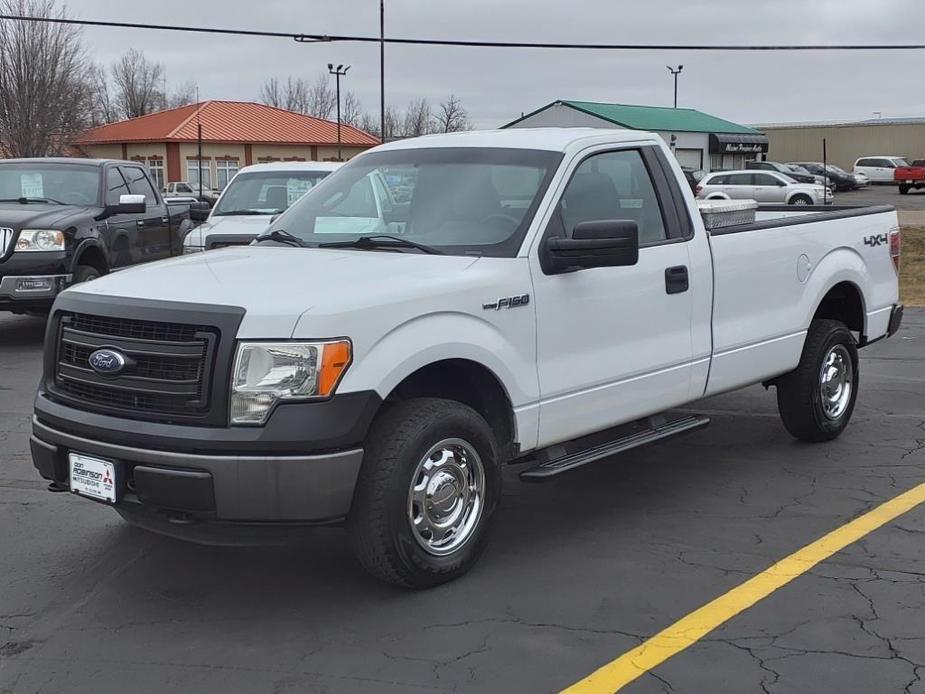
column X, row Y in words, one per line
column 879, row 169
column 763, row 186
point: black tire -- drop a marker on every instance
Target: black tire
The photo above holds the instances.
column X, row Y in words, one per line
column 799, row 393
column 379, row 523
column 801, row 200
column 903, row 189
column 85, row 273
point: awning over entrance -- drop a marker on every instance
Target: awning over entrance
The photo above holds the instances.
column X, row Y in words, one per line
column 723, row 143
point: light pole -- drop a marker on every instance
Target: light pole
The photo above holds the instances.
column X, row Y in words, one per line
column 338, row 72
column 675, row 72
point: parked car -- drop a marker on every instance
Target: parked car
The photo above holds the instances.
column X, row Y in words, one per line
column 250, row 201
column 185, row 189
column 862, row 179
column 817, row 179
column 911, row 177
column 692, row 176
column 879, row 168
column 68, row 221
column 799, row 177
column 763, row 186
column 547, row 298
column 842, row 180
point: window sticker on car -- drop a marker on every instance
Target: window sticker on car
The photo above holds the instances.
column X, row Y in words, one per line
column 296, row 188
column 31, row 185
column 631, row 203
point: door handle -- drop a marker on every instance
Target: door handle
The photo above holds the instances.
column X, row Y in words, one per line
column 676, row 279
column 163, row 220
column 139, row 222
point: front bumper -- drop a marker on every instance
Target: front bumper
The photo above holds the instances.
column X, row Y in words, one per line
column 31, row 281
column 217, row 484
column 186, row 487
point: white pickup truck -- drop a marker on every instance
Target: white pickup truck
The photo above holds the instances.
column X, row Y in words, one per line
column 542, row 297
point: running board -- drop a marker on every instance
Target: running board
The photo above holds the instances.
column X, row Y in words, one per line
column 656, row 429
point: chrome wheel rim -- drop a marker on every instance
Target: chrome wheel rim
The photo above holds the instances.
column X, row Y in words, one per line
column 446, row 497
column 836, row 381
column 800, row 201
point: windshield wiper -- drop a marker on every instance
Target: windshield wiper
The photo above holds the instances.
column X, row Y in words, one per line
column 26, row 201
column 381, row 241
column 281, row 236
column 241, row 213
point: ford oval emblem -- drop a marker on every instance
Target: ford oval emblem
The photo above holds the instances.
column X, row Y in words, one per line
column 107, row 362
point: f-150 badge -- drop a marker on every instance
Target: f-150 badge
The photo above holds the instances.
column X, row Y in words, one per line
column 507, row 302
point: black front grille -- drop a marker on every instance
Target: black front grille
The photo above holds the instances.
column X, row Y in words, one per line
column 167, row 370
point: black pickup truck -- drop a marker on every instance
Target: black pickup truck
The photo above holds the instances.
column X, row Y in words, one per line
column 64, row 221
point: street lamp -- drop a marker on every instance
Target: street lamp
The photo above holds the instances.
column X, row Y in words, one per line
column 338, row 72
column 675, row 72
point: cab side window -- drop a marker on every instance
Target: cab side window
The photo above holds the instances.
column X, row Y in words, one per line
column 139, row 185
column 612, row 186
column 115, row 186
column 764, row 180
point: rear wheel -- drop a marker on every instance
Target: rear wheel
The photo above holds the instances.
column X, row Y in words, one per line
column 801, row 200
column 428, row 486
column 903, row 188
column 816, row 399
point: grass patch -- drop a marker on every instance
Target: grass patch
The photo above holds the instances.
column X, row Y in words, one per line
column 912, row 277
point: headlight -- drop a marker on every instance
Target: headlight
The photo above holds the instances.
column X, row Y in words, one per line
column 269, row 372
column 40, row 240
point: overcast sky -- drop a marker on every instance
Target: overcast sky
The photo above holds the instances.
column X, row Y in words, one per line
column 496, row 85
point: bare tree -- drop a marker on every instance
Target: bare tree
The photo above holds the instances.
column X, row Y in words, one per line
column 451, row 116
column 103, row 109
column 351, row 110
column 418, row 119
column 271, row 93
column 44, row 80
column 183, row 94
column 139, row 85
column 322, row 98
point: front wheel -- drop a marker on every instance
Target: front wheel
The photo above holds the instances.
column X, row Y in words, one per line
column 85, row 273
column 816, row 399
column 428, row 486
column 801, row 200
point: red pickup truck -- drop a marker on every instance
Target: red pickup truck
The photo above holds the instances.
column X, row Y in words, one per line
column 909, row 177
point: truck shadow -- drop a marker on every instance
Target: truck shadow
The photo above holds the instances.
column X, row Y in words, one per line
column 21, row 331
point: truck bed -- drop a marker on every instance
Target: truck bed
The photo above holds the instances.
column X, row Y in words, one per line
column 770, row 276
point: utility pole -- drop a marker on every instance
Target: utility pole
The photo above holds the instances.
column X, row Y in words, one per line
column 338, row 72
column 199, row 140
column 675, row 72
column 382, row 70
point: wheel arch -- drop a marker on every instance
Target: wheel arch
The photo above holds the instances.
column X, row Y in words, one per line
column 91, row 253
column 470, row 383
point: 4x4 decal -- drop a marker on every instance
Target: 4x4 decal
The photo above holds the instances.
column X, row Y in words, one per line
column 875, row 240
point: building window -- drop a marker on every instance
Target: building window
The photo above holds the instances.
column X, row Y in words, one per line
column 225, row 169
column 156, row 167
column 192, row 172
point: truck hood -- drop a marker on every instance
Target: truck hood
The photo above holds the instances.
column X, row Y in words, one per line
column 41, row 216
column 277, row 285
column 246, row 225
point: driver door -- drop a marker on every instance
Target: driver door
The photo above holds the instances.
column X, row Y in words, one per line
column 614, row 343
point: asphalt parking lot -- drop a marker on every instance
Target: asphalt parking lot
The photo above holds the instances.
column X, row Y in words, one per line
column 579, row 571
column 914, row 200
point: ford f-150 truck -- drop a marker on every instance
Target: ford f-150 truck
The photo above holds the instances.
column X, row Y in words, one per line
column 911, row 177
column 65, row 221
column 543, row 297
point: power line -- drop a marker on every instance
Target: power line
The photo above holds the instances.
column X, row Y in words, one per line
column 346, row 38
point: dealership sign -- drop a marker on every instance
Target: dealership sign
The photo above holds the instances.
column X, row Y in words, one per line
column 738, row 144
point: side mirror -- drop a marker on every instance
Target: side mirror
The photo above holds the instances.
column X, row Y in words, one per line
column 275, row 217
column 199, row 211
column 605, row 243
column 128, row 204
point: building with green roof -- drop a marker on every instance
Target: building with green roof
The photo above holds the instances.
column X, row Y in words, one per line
column 699, row 140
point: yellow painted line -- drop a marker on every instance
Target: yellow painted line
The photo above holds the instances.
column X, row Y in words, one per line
column 688, row 630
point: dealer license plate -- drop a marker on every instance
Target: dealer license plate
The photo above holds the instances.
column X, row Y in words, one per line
column 92, row 477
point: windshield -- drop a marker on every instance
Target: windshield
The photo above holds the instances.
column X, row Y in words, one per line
column 70, row 184
column 268, row 192
column 798, row 169
column 835, row 169
column 460, row 200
